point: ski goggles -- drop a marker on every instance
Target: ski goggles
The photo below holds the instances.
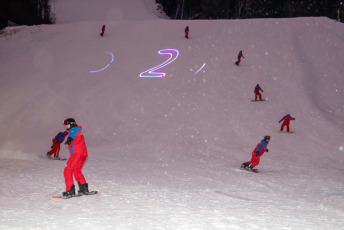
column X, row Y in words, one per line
column 65, row 122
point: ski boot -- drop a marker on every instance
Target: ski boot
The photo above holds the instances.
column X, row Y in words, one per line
column 70, row 193
column 250, row 168
column 83, row 189
column 244, row 166
column 56, row 157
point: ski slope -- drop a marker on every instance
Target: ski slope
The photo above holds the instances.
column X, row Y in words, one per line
column 164, row 152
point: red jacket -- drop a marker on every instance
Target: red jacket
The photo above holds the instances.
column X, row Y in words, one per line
column 77, row 145
column 261, row 148
column 286, row 120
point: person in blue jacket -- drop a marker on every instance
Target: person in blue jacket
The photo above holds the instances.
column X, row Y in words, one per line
column 260, row 149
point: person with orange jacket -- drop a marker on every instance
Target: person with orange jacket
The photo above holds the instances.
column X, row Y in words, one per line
column 78, row 155
column 260, row 149
column 286, row 120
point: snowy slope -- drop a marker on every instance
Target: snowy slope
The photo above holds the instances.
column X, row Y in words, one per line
column 164, row 152
column 67, row 11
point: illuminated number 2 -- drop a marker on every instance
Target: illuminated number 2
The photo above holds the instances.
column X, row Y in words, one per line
column 151, row 73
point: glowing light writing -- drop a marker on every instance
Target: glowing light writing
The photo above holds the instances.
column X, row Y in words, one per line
column 199, row 69
column 95, row 71
column 151, row 73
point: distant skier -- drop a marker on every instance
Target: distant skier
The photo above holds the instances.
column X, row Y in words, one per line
column 240, row 55
column 55, row 148
column 257, row 93
column 187, row 31
column 103, row 31
column 256, row 154
column 286, row 120
column 78, row 156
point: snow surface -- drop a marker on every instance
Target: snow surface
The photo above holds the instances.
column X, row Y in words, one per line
column 164, row 152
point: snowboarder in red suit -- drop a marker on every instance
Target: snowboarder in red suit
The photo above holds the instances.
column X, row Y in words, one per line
column 257, row 93
column 187, row 31
column 240, row 55
column 286, row 120
column 78, row 155
column 103, row 31
column 257, row 153
column 55, row 148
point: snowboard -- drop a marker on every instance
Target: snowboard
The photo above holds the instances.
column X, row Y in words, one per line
column 249, row 170
column 285, row 131
column 52, row 158
column 258, row 100
column 76, row 195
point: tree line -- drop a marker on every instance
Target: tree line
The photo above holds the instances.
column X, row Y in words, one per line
column 25, row 12
column 235, row 9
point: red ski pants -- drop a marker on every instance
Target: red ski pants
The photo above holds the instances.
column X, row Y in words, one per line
column 73, row 167
column 55, row 149
column 257, row 94
column 282, row 127
column 239, row 60
column 254, row 160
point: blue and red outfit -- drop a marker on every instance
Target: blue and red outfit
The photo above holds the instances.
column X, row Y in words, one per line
column 55, row 148
column 240, row 55
column 286, row 120
column 103, row 31
column 257, row 93
column 187, row 32
column 78, row 156
column 256, row 154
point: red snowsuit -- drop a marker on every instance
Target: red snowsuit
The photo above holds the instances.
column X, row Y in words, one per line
column 103, row 30
column 261, row 148
column 78, row 156
column 56, row 144
column 257, row 93
column 240, row 55
column 187, row 32
column 286, row 120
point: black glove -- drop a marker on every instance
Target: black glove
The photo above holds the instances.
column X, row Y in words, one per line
column 68, row 141
column 257, row 153
column 266, row 150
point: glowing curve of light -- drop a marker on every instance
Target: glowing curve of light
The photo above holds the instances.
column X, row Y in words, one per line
column 151, row 73
column 95, row 71
column 200, row 69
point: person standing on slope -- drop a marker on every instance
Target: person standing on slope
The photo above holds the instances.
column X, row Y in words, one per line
column 256, row 154
column 257, row 93
column 55, row 148
column 78, row 155
column 240, row 55
column 286, row 120
column 187, row 31
column 103, row 31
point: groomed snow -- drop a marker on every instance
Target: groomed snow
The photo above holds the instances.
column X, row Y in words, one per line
column 164, row 152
